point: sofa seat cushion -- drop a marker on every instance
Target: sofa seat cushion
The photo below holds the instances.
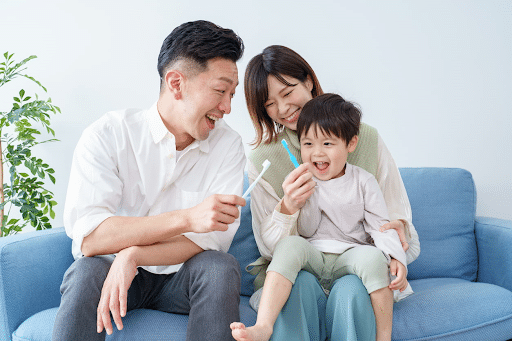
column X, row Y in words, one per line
column 453, row 309
column 139, row 324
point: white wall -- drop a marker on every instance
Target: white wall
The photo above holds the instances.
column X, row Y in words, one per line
column 435, row 77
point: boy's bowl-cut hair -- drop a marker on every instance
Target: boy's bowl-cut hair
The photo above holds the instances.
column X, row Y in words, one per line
column 332, row 114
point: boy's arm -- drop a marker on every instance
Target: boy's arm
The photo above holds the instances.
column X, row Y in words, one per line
column 309, row 216
column 400, row 271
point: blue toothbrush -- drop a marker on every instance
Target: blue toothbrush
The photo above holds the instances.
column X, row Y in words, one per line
column 292, row 158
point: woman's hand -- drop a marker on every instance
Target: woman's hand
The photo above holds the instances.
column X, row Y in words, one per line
column 399, row 227
column 298, row 187
column 398, row 269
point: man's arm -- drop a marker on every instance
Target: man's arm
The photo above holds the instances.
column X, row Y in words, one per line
column 114, row 294
column 116, row 233
column 215, row 213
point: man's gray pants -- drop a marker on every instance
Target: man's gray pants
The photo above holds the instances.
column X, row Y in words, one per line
column 207, row 288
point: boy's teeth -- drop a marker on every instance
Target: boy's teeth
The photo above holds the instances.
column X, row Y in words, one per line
column 321, row 165
column 213, row 118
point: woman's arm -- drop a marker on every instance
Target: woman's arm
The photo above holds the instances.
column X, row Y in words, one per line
column 268, row 224
column 395, row 196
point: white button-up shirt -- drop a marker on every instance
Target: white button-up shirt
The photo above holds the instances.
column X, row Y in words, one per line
column 126, row 164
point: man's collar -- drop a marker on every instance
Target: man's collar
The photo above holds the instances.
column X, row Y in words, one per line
column 159, row 130
column 204, row 146
column 156, row 126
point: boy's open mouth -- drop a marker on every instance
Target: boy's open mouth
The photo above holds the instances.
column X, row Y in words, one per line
column 321, row 166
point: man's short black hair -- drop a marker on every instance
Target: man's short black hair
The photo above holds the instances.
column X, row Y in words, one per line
column 199, row 41
column 332, row 114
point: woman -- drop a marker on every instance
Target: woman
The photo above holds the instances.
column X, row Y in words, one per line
column 278, row 83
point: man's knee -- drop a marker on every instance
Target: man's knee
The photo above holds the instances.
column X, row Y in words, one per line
column 86, row 274
column 216, row 269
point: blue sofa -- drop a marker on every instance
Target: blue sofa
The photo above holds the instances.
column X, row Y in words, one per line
column 462, row 278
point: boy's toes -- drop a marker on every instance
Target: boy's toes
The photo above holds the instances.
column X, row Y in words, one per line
column 237, row 325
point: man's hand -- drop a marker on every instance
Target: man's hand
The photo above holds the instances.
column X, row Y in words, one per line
column 298, row 187
column 114, row 293
column 399, row 227
column 215, row 213
column 398, row 269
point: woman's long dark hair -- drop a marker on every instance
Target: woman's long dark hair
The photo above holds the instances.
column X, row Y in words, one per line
column 278, row 61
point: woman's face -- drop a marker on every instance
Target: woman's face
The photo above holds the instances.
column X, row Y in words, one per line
column 285, row 103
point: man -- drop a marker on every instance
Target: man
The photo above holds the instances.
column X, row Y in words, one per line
column 157, row 188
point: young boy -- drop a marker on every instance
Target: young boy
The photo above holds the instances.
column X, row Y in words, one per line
column 340, row 223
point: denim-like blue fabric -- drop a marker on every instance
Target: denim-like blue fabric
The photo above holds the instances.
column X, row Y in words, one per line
column 303, row 316
column 31, row 268
column 139, row 324
column 494, row 240
column 453, row 309
column 443, row 202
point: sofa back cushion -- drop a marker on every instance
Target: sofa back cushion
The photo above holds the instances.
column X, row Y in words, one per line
column 244, row 246
column 443, row 202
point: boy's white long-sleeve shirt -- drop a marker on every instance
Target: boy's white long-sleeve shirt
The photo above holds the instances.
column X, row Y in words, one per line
column 270, row 226
column 346, row 212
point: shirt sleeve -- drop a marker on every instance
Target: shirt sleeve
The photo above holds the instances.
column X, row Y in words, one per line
column 229, row 179
column 268, row 224
column 395, row 196
column 375, row 215
column 94, row 190
column 310, row 216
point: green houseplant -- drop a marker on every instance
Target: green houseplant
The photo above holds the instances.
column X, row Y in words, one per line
column 25, row 190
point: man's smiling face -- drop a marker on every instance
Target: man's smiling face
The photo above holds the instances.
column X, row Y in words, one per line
column 207, row 97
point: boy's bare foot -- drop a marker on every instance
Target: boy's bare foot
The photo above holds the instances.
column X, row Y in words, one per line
column 254, row 333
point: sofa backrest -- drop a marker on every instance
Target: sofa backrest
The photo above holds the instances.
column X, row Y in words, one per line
column 443, row 202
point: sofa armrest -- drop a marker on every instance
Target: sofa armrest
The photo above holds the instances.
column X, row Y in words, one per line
column 494, row 242
column 32, row 266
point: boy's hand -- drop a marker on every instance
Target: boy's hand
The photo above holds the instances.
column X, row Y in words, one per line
column 215, row 213
column 398, row 269
column 399, row 227
column 298, row 187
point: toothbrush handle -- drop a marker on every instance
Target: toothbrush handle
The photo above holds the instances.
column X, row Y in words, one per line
column 246, row 194
column 294, row 160
column 292, row 157
column 251, row 187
